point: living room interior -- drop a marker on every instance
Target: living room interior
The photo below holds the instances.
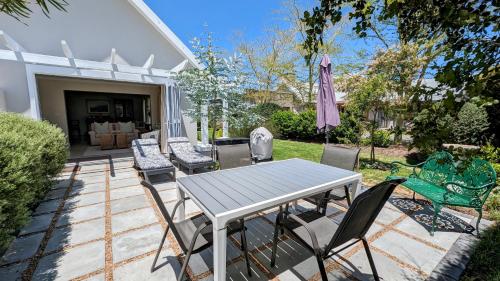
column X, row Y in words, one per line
column 99, row 117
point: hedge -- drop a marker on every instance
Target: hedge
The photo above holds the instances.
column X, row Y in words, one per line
column 31, row 154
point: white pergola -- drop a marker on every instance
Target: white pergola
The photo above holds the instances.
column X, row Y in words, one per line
column 69, row 66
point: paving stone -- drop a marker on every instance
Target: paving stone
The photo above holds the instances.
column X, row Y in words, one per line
column 191, row 208
column 76, row 234
column 133, row 219
column 85, row 199
column 72, row 263
column 359, row 266
column 259, row 232
column 92, row 179
column 168, row 195
column 168, row 268
column 118, row 193
column 62, row 183
column 87, row 188
column 55, row 194
column 124, row 182
column 440, row 238
column 13, row 272
column 81, row 213
column 98, row 277
column 37, row 223
column 22, row 248
column 163, row 182
column 129, row 203
column 119, row 175
column 387, row 216
column 203, row 261
column 137, row 242
column 48, row 206
column 410, row 251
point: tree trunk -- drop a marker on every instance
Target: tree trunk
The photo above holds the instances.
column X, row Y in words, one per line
column 372, row 137
column 214, row 130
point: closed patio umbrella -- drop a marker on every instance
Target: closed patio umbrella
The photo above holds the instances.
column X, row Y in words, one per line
column 327, row 114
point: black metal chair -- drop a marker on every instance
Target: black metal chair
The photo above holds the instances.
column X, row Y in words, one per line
column 233, row 156
column 322, row 235
column 340, row 157
column 193, row 234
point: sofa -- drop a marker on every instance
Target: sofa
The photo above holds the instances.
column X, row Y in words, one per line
column 97, row 130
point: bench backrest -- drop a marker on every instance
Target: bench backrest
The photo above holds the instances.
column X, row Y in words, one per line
column 438, row 168
column 479, row 175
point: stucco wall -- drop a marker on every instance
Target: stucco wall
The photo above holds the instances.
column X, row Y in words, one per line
column 92, row 28
column 53, row 106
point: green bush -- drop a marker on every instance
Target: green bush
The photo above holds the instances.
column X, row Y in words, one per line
column 31, row 154
column 305, row 125
column 491, row 153
column 381, row 138
column 285, row 122
column 471, row 123
column 266, row 110
column 348, row 131
column 431, row 128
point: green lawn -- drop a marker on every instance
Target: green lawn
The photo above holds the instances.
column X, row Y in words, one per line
column 372, row 174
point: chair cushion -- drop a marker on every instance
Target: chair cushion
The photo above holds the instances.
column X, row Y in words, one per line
column 323, row 227
column 148, row 156
column 177, row 140
column 186, row 153
column 101, row 128
column 187, row 229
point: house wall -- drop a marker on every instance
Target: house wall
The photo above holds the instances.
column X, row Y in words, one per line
column 52, row 101
column 91, row 28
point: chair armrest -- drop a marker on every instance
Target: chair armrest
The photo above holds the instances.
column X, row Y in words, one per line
column 311, row 232
column 178, row 204
column 197, row 233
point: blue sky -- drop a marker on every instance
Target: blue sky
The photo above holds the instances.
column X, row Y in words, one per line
column 225, row 18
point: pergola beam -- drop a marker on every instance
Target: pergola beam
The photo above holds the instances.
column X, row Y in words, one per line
column 181, row 66
column 67, row 50
column 10, row 43
column 149, row 63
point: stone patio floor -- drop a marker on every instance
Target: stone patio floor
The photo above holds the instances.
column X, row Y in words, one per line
column 99, row 223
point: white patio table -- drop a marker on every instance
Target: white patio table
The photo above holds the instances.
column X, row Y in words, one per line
column 231, row 194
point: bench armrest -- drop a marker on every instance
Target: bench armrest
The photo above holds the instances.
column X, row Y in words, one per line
column 395, row 168
column 311, row 232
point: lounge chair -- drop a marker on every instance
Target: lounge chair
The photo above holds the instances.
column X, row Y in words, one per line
column 321, row 235
column 148, row 158
column 340, row 157
column 185, row 155
column 232, row 156
column 193, row 234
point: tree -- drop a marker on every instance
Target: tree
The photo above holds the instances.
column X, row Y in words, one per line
column 269, row 60
column 369, row 94
column 221, row 79
column 20, row 8
column 470, row 31
column 471, row 123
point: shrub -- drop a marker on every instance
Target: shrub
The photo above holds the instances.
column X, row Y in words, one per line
column 284, row 122
column 491, row 153
column 471, row 123
column 31, row 154
column 266, row 110
column 381, row 138
column 431, row 128
column 348, row 131
column 305, row 125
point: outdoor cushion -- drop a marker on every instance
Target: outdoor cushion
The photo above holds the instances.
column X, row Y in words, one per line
column 177, row 140
column 148, row 156
column 101, row 128
column 127, row 127
column 186, row 153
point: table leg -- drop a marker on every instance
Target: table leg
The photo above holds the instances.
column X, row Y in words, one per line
column 181, row 211
column 356, row 188
column 220, row 240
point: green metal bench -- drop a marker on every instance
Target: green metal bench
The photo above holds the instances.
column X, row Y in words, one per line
column 439, row 180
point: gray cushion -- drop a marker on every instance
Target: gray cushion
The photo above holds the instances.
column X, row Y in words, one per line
column 177, row 140
column 186, row 153
column 148, row 156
